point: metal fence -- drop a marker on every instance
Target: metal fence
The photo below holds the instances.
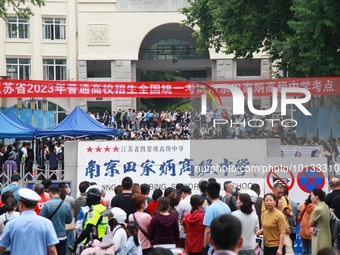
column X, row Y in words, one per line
column 34, row 175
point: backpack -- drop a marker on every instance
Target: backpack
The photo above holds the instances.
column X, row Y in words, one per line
column 125, row 118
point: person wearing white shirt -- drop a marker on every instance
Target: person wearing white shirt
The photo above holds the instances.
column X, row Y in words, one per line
column 138, row 119
column 250, row 223
column 174, row 116
column 119, row 237
column 24, row 149
column 183, row 207
column 90, row 113
column 116, row 223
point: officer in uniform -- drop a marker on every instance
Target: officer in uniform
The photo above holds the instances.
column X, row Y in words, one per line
column 95, row 224
column 29, row 233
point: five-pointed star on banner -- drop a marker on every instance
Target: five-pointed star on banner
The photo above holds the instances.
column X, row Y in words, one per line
column 99, row 149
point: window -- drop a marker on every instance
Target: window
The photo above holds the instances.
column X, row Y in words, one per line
column 60, row 112
column 249, row 67
column 54, row 28
column 54, row 69
column 18, row 68
column 98, row 68
column 18, row 28
column 172, row 48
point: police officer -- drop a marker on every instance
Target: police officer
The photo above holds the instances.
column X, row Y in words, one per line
column 95, row 224
column 29, row 233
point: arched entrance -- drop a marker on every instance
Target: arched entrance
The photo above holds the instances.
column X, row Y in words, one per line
column 169, row 53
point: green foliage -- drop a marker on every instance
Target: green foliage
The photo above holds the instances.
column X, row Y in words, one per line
column 303, row 36
column 313, row 49
column 242, row 27
column 19, row 6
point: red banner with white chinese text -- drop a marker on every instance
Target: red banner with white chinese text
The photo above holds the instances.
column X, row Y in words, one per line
column 30, row 88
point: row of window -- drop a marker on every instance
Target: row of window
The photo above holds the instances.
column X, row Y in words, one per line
column 56, row 69
column 20, row 69
column 52, row 28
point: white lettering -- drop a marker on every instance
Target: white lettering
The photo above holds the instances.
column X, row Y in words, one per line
column 289, row 123
column 295, row 101
column 256, row 122
column 238, row 99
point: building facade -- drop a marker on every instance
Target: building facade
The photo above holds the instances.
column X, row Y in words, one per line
column 110, row 40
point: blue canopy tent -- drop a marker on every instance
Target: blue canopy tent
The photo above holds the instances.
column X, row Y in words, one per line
column 11, row 115
column 78, row 124
column 11, row 129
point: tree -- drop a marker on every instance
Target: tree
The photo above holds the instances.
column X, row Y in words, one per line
column 314, row 47
column 243, row 27
column 19, row 6
column 301, row 36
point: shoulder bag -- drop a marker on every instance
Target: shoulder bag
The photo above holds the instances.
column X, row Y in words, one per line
column 145, row 234
column 55, row 211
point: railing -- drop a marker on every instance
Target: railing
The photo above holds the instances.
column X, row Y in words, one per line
column 34, row 175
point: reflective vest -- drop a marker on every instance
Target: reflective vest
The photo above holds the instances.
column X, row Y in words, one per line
column 93, row 216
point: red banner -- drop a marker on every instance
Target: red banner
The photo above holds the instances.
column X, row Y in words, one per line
column 30, row 88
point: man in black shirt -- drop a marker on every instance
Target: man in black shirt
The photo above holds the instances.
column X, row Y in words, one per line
column 118, row 120
column 203, row 189
column 123, row 200
column 334, row 185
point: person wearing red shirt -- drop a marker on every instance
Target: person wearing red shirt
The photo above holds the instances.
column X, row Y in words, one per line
column 152, row 206
column 193, row 225
column 40, row 188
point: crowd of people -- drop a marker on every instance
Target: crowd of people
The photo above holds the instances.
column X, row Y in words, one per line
column 330, row 152
column 152, row 125
column 173, row 221
column 14, row 155
column 52, row 150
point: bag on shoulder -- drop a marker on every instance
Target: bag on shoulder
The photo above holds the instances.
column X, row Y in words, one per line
column 144, row 233
column 6, row 220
